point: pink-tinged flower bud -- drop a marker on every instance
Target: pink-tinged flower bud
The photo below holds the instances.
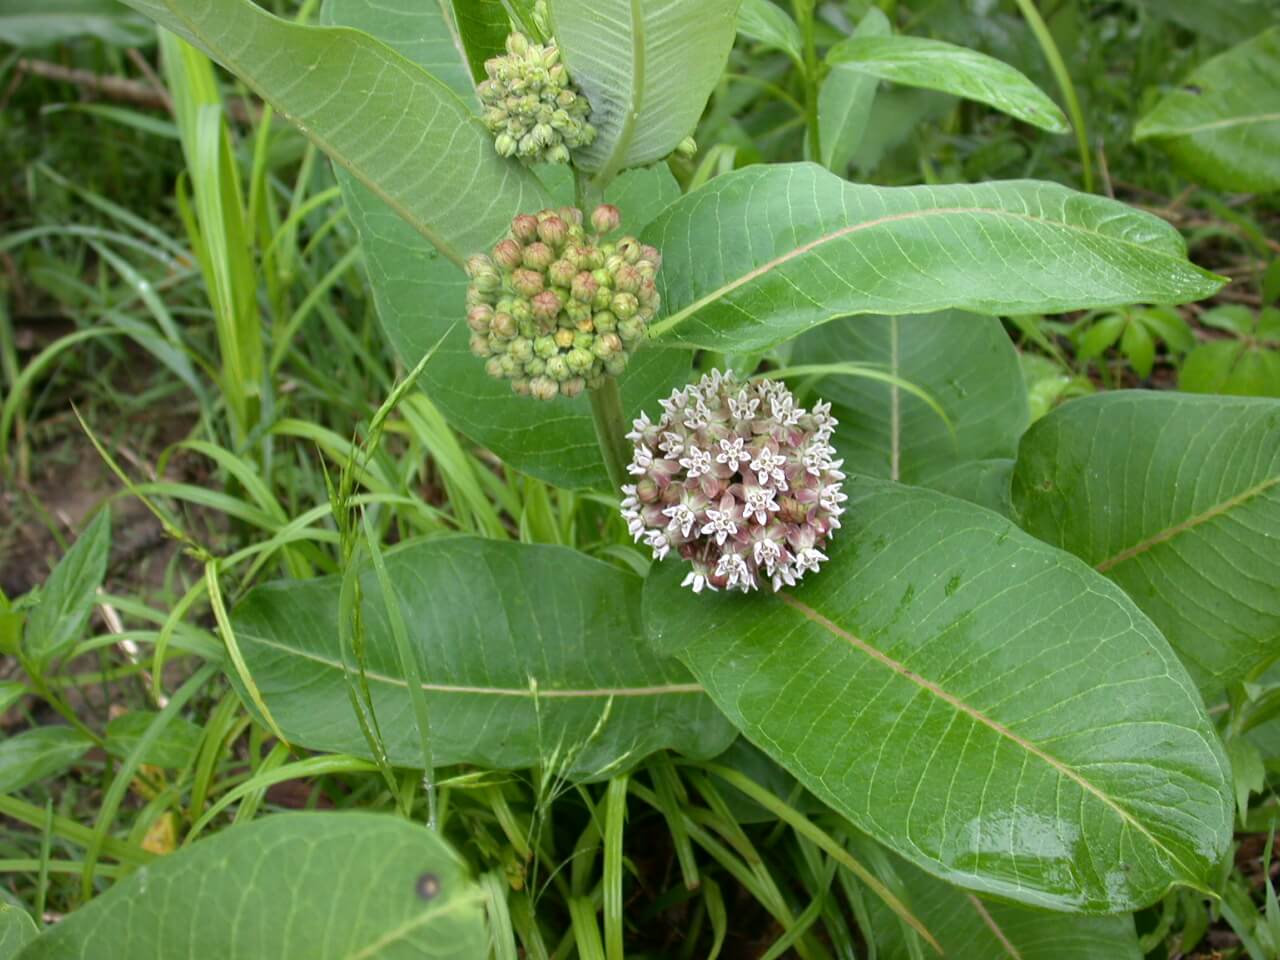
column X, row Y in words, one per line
column 573, row 386
column 630, row 330
column 508, row 253
column 570, row 215
column 553, row 231
column 528, row 283
column 605, row 218
column 520, row 386
column 546, row 305
column 584, row 287
column 504, row 326
column 525, row 228
column 627, row 279
column 538, row 256
column 606, row 345
column 562, row 272
column 480, row 318
column 479, row 344
column 493, row 367
column 651, row 255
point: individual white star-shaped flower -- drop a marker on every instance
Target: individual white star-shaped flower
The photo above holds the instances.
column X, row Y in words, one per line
column 696, row 580
column 697, row 462
column 731, row 452
column 759, row 501
column 736, row 572
column 817, row 456
column 697, row 416
column 681, row 517
column 641, row 462
column 743, row 406
column 766, row 553
column 809, row 559
column 657, row 539
column 768, row 465
column 672, row 444
column 638, row 427
column 720, row 524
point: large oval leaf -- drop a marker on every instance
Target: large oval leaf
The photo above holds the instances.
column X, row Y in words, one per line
column 762, row 254
column 530, row 655
column 647, row 70
column 966, row 364
column 1175, row 497
column 300, row 886
column 1223, row 123
column 420, row 295
column 934, row 65
column 17, row 929
column 401, row 132
column 967, row 926
column 983, row 703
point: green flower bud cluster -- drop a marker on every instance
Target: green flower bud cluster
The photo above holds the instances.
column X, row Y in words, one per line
column 531, row 106
column 554, row 308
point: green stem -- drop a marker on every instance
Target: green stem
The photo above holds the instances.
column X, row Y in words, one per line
column 1060, row 74
column 804, row 16
column 606, row 411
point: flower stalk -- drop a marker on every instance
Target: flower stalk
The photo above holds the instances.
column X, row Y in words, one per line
column 611, row 431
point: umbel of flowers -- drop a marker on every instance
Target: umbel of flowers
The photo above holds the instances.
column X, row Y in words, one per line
column 738, row 480
column 531, row 107
column 555, row 309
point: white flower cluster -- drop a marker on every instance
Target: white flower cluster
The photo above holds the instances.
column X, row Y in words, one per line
column 738, row 480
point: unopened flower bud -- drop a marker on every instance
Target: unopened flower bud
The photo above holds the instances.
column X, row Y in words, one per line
column 605, row 218
column 604, row 321
column 688, row 148
column 562, row 272
column 546, row 305
column 504, row 326
column 521, row 310
column 627, row 279
column 585, row 287
column 479, row 344
column 564, row 338
column 480, row 318
column 538, row 256
column 525, row 228
column 557, row 369
column 607, row 345
column 629, row 249
column 554, row 232
column 508, row 253
column 543, row 388
column 526, row 282
column 573, row 386
column 625, row 305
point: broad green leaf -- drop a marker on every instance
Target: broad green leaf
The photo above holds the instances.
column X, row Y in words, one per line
column 967, row 926
column 761, row 254
column 1224, row 21
column 982, row 703
column 647, row 70
column 482, row 27
column 532, row 655
column 400, row 131
column 38, row 754
column 1222, row 124
column 11, row 691
column 294, row 886
column 1233, row 367
column 67, row 597
column 845, row 99
column 420, row 295
column 766, row 22
column 966, row 364
column 934, row 65
column 1177, row 499
column 39, row 23
column 174, row 749
column 17, row 929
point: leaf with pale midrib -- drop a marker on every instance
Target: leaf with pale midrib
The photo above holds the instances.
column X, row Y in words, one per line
column 1223, row 122
column 979, row 701
column 295, row 886
column 921, row 62
column 647, row 69
column 967, row 364
column 524, row 649
column 761, row 254
column 1175, row 497
column 968, row 927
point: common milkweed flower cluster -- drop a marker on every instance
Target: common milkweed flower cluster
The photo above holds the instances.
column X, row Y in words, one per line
column 555, row 309
column 532, row 108
column 738, row 480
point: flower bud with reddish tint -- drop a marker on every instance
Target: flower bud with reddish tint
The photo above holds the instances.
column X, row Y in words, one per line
column 605, row 218
column 538, row 256
column 546, row 305
column 584, row 287
column 508, row 253
column 562, row 272
column 480, row 318
column 525, row 228
column 553, row 231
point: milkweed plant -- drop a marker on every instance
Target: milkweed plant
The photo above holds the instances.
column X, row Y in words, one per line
column 820, row 542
